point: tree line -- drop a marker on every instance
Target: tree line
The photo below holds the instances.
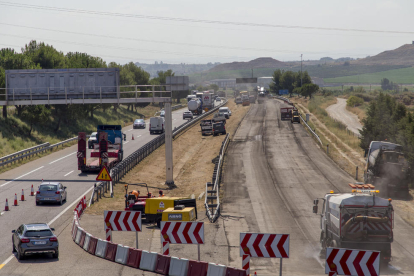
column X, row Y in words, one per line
column 38, row 55
column 295, row 82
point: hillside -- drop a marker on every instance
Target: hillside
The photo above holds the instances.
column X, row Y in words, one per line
column 263, row 62
column 403, row 55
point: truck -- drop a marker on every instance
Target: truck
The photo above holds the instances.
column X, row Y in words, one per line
column 156, row 125
column 190, row 97
column 220, row 117
column 294, row 116
column 387, row 168
column 206, row 127
column 356, row 220
column 252, row 99
column 245, row 99
column 107, row 152
column 195, row 106
column 238, row 100
column 208, row 100
column 285, row 113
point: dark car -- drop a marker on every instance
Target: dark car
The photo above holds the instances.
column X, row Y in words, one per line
column 187, row 115
column 219, row 127
column 51, row 192
column 139, row 123
column 34, row 238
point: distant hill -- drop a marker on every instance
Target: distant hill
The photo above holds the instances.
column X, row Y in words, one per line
column 403, row 55
column 263, row 62
column 182, row 69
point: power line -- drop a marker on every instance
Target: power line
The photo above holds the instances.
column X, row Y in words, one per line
column 190, row 20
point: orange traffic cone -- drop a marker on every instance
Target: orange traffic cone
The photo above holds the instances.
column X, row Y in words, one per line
column 7, row 206
column 32, row 191
column 133, row 137
column 22, row 198
column 15, row 200
column 255, row 273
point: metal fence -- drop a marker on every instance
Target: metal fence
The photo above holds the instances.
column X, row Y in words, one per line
column 213, row 194
column 97, row 192
column 26, row 153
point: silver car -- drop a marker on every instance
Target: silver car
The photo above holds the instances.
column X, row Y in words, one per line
column 92, row 140
column 51, row 192
column 34, row 238
column 139, row 123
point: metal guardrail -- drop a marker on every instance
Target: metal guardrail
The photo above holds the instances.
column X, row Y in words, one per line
column 99, row 189
column 26, row 153
column 214, row 213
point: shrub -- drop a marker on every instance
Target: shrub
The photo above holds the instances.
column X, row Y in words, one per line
column 354, row 101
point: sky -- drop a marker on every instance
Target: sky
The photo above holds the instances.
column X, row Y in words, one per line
column 191, row 31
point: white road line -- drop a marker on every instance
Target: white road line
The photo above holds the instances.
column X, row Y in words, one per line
column 126, row 142
column 139, row 136
column 52, row 221
column 68, row 173
column 2, row 213
column 20, row 177
column 62, row 158
column 130, row 129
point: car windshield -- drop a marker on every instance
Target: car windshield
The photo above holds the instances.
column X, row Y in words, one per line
column 139, row 121
column 48, row 188
column 93, row 135
column 38, row 233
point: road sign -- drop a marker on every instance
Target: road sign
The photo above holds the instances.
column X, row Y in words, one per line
column 182, row 232
column 352, row 262
column 264, row 245
column 123, row 220
column 283, row 92
column 104, row 175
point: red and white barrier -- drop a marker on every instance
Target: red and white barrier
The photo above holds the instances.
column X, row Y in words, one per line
column 121, row 256
column 216, row 270
column 165, row 248
column 246, row 263
column 178, row 267
column 148, row 260
column 22, row 197
column 6, row 207
column 101, row 248
column 15, row 200
column 86, row 242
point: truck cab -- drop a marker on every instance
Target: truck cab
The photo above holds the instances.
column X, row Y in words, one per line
column 294, row 116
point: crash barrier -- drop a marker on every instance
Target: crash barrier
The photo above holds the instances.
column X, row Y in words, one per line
column 144, row 260
column 122, row 254
column 212, row 199
column 98, row 191
column 26, row 153
column 148, row 260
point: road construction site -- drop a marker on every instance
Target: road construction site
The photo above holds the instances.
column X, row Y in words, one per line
column 273, row 170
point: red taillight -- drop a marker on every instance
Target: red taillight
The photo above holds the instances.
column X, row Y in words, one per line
column 38, row 192
column 25, row 240
column 58, row 192
column 53, row 239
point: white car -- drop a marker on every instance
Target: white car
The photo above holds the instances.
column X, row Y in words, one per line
column 162, row 113
column 225, row 110
column 92, row 140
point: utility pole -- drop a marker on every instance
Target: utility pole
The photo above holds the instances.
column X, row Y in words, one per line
column 301, row 70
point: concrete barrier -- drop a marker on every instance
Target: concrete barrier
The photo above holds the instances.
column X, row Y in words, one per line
column 111, row 251
column 235, row 272
column 134, row 258
column 178, row 267
column 197, row 268
column 121, row 256
column 86, row 242
column 82, row 239
column 78, row 235
column 74, row 231
column 92, row 245
column 216, row 270
column 163, row 264
column 101, row 248
column 148, row 260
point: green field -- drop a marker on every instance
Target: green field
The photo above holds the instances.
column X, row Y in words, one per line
column 400, row 76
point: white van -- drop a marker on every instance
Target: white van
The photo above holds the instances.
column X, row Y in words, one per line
column 225, row 110
column 156, row 125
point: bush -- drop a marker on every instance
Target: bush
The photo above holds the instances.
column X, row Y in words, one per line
column 406, row 100
column 354, row 101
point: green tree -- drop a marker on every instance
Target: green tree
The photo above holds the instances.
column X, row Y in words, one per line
column 287, row 81
column 309, row 89
column 354, row 101
column 44, row 55
column 275, row 84
column 35, row 114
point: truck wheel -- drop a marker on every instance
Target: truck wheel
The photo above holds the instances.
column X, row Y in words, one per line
column 159, row 223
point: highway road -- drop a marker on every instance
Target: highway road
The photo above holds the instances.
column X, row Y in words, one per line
column 339, row 112
column 59, row 166
column 273, row 171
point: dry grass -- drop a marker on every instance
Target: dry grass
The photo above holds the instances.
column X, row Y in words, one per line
column 360, row 111
column 192, row 153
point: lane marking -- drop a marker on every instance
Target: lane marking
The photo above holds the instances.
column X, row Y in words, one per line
column 139, row 136
column 126, row 142
column 130, row 129
column 2, row 213
column 62, row 158
column 68, row 173
column 20, row 177
column 52, row 221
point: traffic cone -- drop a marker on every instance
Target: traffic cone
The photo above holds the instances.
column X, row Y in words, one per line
column 7, row 206
column 32, row 191
column 22, row 198
column 15, row 200
column 255, row 273
column 133, row 137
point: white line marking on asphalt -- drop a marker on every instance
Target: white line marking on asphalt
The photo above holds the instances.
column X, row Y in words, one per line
column 62, row 158
column 68, row 173
column 53, row 220
column 139, row 136
column 130, row 129
column 126, row 142
column 20, row 177
column 2, row 213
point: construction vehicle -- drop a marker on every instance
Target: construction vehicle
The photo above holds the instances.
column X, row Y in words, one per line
column 179, row 213
column 294, row 118
column 285, row 113
column 245, row 99
column 252, row 99
column 134, row 200
column 387, row 168
column 155, row 206
column 357, row 220
column 107, row 152
column 206, row 127
column 238, row 100
column 195, row 106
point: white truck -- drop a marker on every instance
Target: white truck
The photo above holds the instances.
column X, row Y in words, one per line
column 156, row 125
column 208, row 100
column 357, row 220
column 195, row 106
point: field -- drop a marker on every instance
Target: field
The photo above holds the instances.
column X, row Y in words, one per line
column 400, row 76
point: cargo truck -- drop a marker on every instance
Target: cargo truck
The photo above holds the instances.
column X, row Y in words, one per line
column 387, row 168
column 195, row 106
column 208, row 100
column 285, row 113
column 357, row 220
column 107, row 152
column 206, row 127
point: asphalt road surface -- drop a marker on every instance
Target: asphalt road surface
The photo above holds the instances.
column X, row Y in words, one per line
column 273, row 172
column 59, row 166
column 338, row 112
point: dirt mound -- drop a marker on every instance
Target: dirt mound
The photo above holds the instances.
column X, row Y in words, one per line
column 403, row 55
column 263, row 62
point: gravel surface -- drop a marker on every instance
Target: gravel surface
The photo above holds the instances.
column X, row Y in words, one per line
column 339, row 112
